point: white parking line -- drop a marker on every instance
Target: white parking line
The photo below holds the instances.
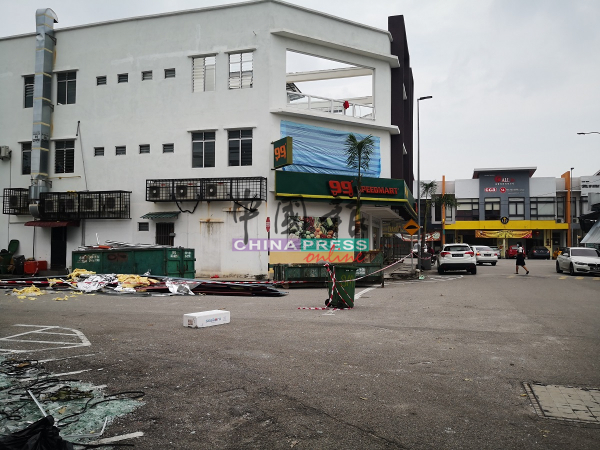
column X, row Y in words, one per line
column 364, row 291
column 43, row 330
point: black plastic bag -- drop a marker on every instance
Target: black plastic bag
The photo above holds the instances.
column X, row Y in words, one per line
column 41, row 435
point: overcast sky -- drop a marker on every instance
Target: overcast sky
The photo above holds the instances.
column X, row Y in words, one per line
column 512, row 81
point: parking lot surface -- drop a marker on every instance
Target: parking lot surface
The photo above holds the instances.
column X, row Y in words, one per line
column 418, row 364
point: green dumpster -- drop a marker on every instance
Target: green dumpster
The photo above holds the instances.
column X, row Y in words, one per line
column 343, row 294
column 172, row 262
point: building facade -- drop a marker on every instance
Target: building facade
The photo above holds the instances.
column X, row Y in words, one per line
column 506, row 206
column 161, row 130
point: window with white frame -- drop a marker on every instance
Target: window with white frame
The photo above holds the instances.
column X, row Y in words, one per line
column 123, row 78
column 240, row 147
column 26, row 158
column 542, row 208
column 66, row 88
column 64, row 157
column 203, row 73
column 240, row 70
column 145, row 148
column 98, row 151
column 146, row 75
column 28, row 91
column 203, row 149
column 169, row 73
column 101, row 80
column 492, row 208
column 516, row 208
column 168, row 148
column 121, row 150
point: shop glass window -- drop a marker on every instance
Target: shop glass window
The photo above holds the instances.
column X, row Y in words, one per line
column 542, row 208
column 492, row 208
column 203, row 73
column 66, row 88
column 240, row 147
column 516, row 208
column 64, row 157
column 203, row 149
column 241, row 70
column 467, row 209
column 313, row 227
column 26, row 158
column 28, row 91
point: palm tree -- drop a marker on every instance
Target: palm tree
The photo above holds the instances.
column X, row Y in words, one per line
column 428, row 191
column 358, row 156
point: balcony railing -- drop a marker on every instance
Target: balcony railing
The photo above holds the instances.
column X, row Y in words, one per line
column 206, row 189
column 330, row 105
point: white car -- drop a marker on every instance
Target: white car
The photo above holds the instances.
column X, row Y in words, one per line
column 578, row 260
column 457, row 257
column 485, row 254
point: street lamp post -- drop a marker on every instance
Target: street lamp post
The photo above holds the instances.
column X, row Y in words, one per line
column 570, row 239
column 419, row 178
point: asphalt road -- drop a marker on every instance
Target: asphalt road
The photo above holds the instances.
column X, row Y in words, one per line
column 431, row 364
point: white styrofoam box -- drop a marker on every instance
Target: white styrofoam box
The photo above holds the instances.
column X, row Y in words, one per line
column 206, row 318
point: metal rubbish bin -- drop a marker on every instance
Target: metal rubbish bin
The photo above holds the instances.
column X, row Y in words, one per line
column 343, row 294
column 425, row 262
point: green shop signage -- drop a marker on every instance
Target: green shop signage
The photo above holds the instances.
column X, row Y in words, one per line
column 328, row 187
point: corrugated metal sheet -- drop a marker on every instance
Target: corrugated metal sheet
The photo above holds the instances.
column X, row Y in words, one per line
column 161, row 215
column 593, row 236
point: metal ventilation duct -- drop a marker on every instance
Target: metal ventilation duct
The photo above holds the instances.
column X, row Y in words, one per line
column 42, row 106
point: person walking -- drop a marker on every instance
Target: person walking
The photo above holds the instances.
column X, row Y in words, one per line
column 521, row 260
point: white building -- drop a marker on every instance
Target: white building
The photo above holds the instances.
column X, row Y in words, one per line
column 177, row 113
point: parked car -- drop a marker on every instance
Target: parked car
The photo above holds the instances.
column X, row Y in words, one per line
column 497, row 250
column 538, row 252
column 511, row 251
column 578, row 260
column 457, row 257
column 485, row 254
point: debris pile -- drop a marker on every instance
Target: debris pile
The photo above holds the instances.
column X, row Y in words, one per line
column 83, row 281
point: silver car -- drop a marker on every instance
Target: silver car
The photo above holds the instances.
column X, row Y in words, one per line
column 457, row 257
column 578, row 260
column 485, row 255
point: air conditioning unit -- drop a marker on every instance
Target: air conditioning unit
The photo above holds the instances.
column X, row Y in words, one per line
column 89, row 204
column 67, row 205
column 4, row 152
column 216, row 191
column 50, row 206
column 560, row 220
column 112, row 204
column 186, row 191
column 158, row 191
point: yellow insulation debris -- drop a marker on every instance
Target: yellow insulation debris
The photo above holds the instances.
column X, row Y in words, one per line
column 78, row 272
column 134, row 280
column 30, row 290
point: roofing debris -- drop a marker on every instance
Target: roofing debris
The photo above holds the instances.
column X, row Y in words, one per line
column 83, row 281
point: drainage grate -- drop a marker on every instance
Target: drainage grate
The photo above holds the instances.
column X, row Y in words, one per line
column 565, row 402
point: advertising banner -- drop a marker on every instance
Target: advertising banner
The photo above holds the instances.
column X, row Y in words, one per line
column 517, row 234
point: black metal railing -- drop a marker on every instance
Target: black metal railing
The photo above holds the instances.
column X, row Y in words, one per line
column 15, row 201
column 206, row 189
column 85, row 205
